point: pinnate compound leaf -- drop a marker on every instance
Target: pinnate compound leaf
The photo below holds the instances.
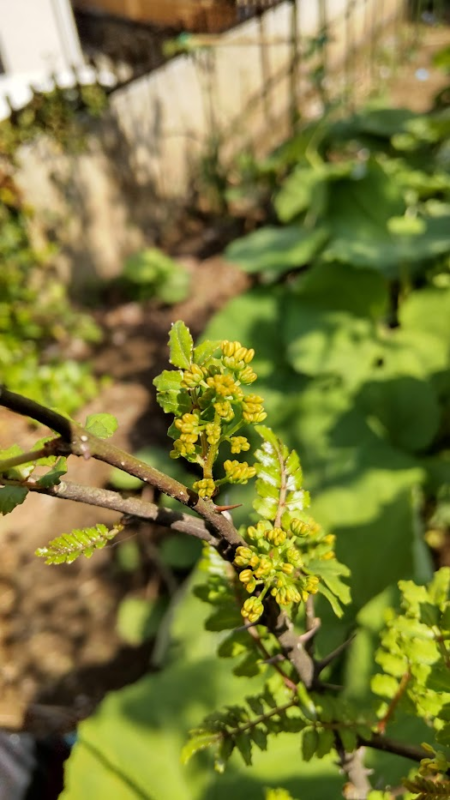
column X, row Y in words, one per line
column 101, row 425
column 80, row 542
column 181, row 345
column 280, row 478
column 10, row 497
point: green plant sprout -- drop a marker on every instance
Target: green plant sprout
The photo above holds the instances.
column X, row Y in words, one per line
column 262, row 579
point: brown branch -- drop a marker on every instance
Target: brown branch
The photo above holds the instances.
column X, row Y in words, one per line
column 76, row 440
column 105, row 498
column 387, row 745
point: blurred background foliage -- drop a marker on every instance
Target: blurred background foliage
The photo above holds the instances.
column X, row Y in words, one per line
column 349, row 313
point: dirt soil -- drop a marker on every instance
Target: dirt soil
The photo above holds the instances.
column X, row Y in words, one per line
column 59, row 648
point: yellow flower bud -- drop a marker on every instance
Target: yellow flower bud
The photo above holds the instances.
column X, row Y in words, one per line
column 246, row 575
column 252, row 609
column 205, row 488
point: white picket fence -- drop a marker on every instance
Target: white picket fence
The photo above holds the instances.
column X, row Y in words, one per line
column 141, row 157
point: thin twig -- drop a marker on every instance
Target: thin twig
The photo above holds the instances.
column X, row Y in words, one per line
column 132, row 506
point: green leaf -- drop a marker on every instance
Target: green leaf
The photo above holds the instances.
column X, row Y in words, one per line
column 310, row 743
column 198, row 742
column 101, row 425
column 296, row 193
column 204, row 351
column 181, row 345
column 348, row 738
column 278, row 467
column 224, row 618
column 53, row 476
column 409, row 425
column 259, row 737
column 243, row 743
column 325, row 742
column 384, row 685
column 276, row 249
column 170, row 396
column 10, row 497
column 80, row 542
column 330, row 573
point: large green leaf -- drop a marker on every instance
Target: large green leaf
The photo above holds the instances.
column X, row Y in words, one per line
column 359, row 218
column 276, row 249
column 341, row 287
column 296, row 193
column 322, row 342
column 428, row 310
column 329, row 321
column 406, row 408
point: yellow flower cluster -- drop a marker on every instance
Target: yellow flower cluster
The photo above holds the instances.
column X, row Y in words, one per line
column 272, row 561
column 205, row 488
column 239, row 444
column 238, row 471
column 237, row 358
column 252, row 409
column 252, row 609
column 211, row 395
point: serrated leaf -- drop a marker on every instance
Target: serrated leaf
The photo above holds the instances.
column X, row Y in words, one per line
column 225, row 750
column 330, row 573
column 256, row 704
column 333, row 601
column 198, row 742
column 53, row 476
column 10, row 497
column 259, row 737
column 101, row 425
column 170, row 396
column 204, row 351
column 248, row 667
column 243, row 743
column 325, row 742
column 310, row 742
column 181, row 345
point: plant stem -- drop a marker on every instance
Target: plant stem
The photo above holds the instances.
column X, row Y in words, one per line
column 29, row 457
column 133, row 506
column 381, row 727
column 77, row 440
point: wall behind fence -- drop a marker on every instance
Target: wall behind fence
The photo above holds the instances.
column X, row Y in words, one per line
column 244, row 89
